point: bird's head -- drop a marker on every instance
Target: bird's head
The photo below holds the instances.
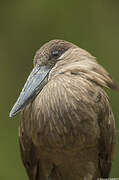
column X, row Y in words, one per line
column 49, row 54
column 45, row 59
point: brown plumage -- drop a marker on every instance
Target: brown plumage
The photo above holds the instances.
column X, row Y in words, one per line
column 67, row 129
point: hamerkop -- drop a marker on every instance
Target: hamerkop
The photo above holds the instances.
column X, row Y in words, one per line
column 67, row 129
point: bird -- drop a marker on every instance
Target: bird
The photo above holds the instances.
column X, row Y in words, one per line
column 67, row 127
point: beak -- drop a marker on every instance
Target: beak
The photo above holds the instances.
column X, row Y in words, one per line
column 34, row 84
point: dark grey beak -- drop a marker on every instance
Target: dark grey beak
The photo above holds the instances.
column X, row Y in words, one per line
column 34, row 84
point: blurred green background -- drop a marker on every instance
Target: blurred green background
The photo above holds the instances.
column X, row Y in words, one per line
column 27, row 24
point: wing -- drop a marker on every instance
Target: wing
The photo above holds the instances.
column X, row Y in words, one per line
column 27, row 149
column 29, row 153
column 107, row 135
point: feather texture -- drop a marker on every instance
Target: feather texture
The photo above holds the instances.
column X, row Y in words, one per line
column 68, row 131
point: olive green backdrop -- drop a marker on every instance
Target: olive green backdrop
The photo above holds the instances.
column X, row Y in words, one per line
column 27, row 24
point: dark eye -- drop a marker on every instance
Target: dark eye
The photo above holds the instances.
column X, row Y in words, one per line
column 55, row 53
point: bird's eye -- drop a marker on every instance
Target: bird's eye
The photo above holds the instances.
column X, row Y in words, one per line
column 55, row 53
